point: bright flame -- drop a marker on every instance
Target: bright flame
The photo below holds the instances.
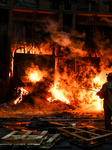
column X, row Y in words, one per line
column 98, row 81
column 34, row 77
column 99, row 103
column 22, row 92
column 33, row 74
column 58, row 96
column 43, row 49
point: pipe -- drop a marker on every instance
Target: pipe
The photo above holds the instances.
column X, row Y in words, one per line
column 81, row 88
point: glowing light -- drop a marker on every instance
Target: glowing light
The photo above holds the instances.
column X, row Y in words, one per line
column 34, row 77
column 9, row 74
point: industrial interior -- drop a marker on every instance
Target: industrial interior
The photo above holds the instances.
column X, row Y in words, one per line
column 54, row 57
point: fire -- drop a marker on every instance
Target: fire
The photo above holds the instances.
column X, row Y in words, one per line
column 83, row 98
column 22, row 92
column 81, row 94
column 24, row 48
column 58, row 96
column 99, row 81
column 96, row 79
column 33, row 74
column 99, row 104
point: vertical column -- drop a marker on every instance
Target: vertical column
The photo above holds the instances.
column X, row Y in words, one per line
column 73, row 8
column 9, row 50
column 33, row 26
column 9, row 2
column 9, row 53
column 61, row 20
column 89, row 7
column 61, row 8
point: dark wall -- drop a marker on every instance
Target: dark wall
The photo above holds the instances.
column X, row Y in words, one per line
column 3, row 34
column 3, row 39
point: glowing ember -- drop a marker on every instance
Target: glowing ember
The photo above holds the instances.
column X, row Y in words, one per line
column 22, row 92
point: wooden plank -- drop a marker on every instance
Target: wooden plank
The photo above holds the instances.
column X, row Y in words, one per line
column 53, row 138
column 25, row 135
column 41, row 139
column 44, row 134
column 100, row 136
column 86, row 139
column 71, row 133
column 33, row 139
column 90, row 141
column 82, row 130
column 50, row 142
column 9, row 135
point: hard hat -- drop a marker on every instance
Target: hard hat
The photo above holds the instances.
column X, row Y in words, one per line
column 110, row 74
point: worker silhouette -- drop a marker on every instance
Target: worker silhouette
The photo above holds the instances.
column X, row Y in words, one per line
column 106, row 93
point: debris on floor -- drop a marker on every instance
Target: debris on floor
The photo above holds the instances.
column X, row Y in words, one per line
column 43, row 139
column 88, row 137
column 54, row 133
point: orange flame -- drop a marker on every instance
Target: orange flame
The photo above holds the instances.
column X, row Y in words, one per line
column 33, row 74
column 99, row 82
column 58, row 96
column 20, row 98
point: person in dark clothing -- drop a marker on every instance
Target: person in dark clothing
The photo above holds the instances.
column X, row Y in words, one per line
column 106, row 93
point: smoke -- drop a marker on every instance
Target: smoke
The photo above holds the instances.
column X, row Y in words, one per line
column 73, row 41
